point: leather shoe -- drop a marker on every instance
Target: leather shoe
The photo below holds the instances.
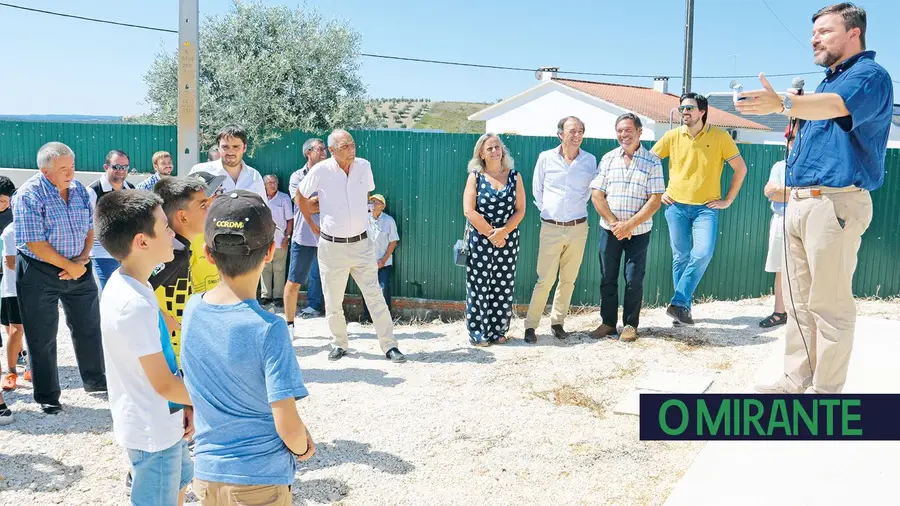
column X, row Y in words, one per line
column 336, row 354
column 51, row 409
column 602, row 331
column 395, row 356
column 559, row 332
column 782, row 386
column 98, row 387
column 530, row 336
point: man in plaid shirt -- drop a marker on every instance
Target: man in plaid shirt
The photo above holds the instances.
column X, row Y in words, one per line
column 627, row 192
column 54, row 236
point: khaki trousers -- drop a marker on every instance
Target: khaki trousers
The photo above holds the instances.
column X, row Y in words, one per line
column 213, row 493
column 274, row 275
column 561, row 251
column 357, row 259
column 823, row 237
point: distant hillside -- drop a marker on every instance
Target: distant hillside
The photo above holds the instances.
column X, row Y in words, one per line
column 424, row 114
column 59, row 118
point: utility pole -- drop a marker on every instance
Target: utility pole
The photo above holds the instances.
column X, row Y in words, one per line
column 688, row 45
column 188, row 75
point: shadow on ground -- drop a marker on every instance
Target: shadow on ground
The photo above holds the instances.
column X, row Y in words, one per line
column 343, row 451
column 350, row 375
column 38, row 473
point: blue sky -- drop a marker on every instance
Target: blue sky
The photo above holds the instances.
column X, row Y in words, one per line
column 51, row 65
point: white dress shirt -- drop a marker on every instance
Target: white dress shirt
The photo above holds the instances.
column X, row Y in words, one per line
column 248, row 179
column 343, row 198
column 561, row 191
column 282, row 211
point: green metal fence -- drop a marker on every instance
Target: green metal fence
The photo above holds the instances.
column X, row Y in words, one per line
column 422, row 177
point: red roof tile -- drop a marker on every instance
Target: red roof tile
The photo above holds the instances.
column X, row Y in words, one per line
column 652, row 104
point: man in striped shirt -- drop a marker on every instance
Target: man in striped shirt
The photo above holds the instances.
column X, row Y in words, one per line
column 626, row 193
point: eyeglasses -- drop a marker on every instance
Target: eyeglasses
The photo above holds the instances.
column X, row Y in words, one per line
column 120, row 167
column 686, row 108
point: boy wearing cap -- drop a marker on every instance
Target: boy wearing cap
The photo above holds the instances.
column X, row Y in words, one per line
column 778, row 195
column 383, row 232
column 240, row 367
column 140, row 365
column 184, row 202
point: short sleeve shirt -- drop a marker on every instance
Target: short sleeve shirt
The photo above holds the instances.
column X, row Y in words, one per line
column 303, row 235
column 343, row 198
column 629, row 187
column 696, row 163
column 383, row 231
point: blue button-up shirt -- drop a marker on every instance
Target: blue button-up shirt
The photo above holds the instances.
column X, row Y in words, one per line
column 41, row 215
column 847, row 151
column 561, row 190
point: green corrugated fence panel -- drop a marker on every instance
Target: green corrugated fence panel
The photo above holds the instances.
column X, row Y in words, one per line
column 422, row 176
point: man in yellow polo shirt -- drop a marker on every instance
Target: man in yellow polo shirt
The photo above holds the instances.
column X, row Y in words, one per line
column 697, row 153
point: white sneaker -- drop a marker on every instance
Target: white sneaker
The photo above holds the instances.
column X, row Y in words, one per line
column 6, row 417
column 309, row 312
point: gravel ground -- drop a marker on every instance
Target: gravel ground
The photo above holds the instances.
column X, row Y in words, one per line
column 511, row 424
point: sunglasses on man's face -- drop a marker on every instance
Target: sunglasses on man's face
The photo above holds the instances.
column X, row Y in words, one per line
column 120, row 167
column 686, row 108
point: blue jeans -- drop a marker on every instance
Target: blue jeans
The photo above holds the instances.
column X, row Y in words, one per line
column 304, row 268
column 692, row 232
column 158, row 477
column 611, row 251
column 384, row 281
column 104, row 267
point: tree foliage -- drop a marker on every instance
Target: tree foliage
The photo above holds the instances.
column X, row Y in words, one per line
column 270, row 69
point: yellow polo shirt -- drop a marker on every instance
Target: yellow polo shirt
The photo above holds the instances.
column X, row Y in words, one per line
column 204, row 275
column 696, row 163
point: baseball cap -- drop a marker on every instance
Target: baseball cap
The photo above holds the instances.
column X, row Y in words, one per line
column 242, row 215
column 212, row 182
column 379, row 197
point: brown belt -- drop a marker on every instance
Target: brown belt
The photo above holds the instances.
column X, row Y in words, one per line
column 355, row 238
column 818, row 191
column 565, row 223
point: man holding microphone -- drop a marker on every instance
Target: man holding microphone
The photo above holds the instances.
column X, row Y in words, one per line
column 837, row 159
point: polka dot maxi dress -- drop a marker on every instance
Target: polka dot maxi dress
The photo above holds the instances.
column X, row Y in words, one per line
column 491, row 271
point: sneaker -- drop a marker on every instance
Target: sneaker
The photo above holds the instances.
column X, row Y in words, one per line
column 6, row 416
column 51, row 409
column 628, row 334
column 21, row 360
column 309, row 312
column 680, row 314
column 9, row 381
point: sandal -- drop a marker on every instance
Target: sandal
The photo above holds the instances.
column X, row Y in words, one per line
column 501, row 340
column 773, row 320
column 479, row 344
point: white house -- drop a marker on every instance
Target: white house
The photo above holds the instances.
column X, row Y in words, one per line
column 537, row 110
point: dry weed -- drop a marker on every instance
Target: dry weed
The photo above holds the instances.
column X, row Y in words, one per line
column 568, row 395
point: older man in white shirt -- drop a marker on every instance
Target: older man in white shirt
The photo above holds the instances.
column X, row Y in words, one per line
column 561, row 187
column 274, row 274
column 343, row 183
column 232, row 143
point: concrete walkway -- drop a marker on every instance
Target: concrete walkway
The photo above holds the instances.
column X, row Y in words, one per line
column 807, row 472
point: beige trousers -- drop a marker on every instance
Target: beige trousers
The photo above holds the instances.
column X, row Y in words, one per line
column 213, row 493
column 274, row 275
column 561, row 251
column 823, row 237
column 357, row 259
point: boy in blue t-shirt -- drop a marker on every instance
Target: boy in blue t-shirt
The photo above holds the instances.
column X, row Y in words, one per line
column 240, row 368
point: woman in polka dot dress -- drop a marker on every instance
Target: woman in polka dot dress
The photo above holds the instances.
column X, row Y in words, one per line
column 494, row 203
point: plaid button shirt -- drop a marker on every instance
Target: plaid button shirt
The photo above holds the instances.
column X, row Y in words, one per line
column 148, row 183
column 627, row 188
column 41, row 215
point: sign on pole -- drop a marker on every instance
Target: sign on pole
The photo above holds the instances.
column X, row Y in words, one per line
column 188, row 74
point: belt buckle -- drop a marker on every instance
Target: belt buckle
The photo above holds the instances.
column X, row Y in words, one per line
column 805, row 193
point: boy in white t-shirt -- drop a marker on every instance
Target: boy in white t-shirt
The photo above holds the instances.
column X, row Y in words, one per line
column 9, row 309
column 140, row 363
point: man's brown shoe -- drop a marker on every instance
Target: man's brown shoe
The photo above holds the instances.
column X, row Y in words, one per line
column 628, row 334
column 603, row 331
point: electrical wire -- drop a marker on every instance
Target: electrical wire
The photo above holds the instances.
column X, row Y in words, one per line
column 788, row 30
column 417, row 60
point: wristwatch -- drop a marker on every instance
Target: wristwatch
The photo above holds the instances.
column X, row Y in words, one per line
column 787, row 103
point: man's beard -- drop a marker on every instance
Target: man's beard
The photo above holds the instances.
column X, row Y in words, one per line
column 828, row 59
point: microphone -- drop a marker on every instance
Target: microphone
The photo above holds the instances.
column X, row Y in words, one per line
column 798, row 84
column 736, row 86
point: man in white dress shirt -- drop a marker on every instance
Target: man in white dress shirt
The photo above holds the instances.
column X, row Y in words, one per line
column 561, row 188
column 343, row 183
column 275, row 272
column 232, row 142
